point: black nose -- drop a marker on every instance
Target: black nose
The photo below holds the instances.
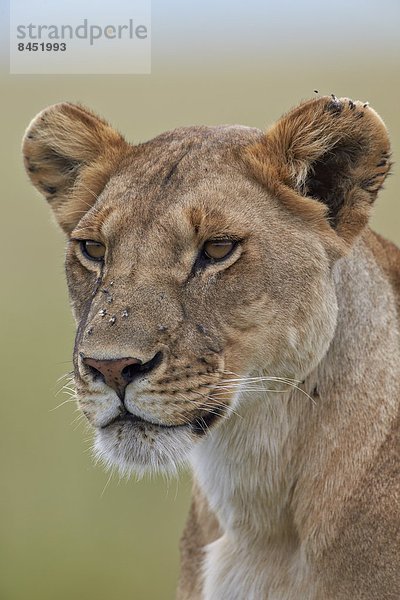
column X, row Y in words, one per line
column 117, row 373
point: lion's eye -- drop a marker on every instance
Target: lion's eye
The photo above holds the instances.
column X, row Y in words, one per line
column 93, row 250
column 218, row 249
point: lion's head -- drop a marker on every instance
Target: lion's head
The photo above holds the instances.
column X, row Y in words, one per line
column 198, row 258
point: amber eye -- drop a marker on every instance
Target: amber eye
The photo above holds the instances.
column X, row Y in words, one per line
column 93, row 250
column 218, row 249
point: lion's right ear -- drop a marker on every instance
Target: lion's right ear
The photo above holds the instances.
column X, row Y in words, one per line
column 69, row 154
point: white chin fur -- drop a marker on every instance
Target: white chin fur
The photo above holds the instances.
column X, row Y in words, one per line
column 132, row 451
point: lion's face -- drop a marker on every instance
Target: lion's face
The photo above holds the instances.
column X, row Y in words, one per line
column 199, row 277
column 196, row 324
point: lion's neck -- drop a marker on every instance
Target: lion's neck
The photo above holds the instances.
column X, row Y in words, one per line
column 248, row 478
column 244, row 471
column 275, row 473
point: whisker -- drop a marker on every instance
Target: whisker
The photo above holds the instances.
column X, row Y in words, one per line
column 62, row 404
column 68, row 374
column 211, row 406
column 263, row 378
column 260, row 379
column 251, row 389
column 238, row 376
column 65, row 388
column 107, row 484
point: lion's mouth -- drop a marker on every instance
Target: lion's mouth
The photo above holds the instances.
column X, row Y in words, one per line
column 199, row 425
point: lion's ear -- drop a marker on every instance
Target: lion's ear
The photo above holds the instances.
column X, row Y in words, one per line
column 334, row 154
column 69, row 155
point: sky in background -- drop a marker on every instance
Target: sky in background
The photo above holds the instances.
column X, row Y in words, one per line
column 216, row 32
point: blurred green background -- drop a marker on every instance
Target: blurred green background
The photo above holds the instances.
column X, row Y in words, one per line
column 65, row 529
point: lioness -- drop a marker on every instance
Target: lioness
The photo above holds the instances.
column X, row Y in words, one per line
column 235, row 312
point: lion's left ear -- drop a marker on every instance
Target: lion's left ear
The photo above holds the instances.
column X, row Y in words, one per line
column 327, row 159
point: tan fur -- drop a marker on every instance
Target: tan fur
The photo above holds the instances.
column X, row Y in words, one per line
column 70, row 155
column 277, row 375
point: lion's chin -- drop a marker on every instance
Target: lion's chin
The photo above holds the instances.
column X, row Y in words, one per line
column 133, row 448
column 137, row 446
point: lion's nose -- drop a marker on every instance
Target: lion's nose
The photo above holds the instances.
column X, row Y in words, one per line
column 118, row 373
